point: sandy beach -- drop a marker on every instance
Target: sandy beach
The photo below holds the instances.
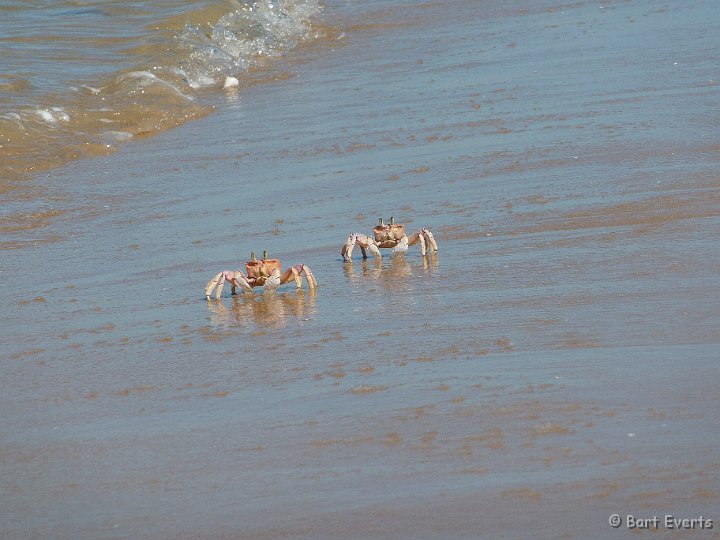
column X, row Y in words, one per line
column 553, row 364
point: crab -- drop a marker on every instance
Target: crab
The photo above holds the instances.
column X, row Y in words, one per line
column 266, row 273
column 388, row 236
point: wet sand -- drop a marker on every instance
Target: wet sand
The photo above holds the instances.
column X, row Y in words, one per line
column 554, row 363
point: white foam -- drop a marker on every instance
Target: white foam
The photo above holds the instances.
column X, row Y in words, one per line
column 60, row 114
column 53, row 115
column 163, row 82
column 201, row 81
column 141, row 75
column 121, row 135
column 47, row 116
column 91, row 88
column 244, row 38
column 145, row 79
column 15, row 118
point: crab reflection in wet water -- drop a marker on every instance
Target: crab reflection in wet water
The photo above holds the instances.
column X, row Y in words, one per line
column 397, row 275
column 265, row 310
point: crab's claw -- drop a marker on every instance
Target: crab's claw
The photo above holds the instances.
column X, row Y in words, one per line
column 402, row 246
column 273, row 281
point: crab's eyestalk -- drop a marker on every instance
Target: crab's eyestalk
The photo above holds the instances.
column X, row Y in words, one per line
column 392, row 221
column 265, row 256
column 252, row 256
column 381, row 222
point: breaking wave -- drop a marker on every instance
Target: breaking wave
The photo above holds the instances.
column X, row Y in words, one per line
column 45, row 122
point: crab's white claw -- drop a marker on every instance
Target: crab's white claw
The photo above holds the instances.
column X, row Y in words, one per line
column 274, row 281
column 347, row 249
column 217, row 281
column 402, row 246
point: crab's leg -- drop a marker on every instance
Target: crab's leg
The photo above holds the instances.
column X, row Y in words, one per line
column 430, row 239
column 217, row 281
column 239, row 279
column 292, row 273
column 426, row 239
column 347, row 248
column 211, row 285
column 295, row 272
column 365, row 243
column 312, row 282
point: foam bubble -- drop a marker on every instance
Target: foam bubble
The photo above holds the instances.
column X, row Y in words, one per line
column 53, row 115
column 60, row 114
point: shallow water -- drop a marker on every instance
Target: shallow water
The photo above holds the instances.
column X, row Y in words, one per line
column 554, row 363
column 80, row 79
